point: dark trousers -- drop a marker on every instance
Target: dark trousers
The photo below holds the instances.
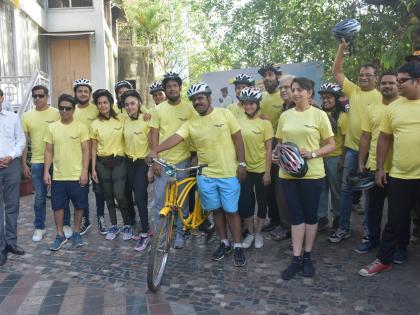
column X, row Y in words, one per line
column 246, row 204
column 129, row 188
column 273, row 211
column 402, row 197
column 9, row 203
column 377, row 197
column 137, row 177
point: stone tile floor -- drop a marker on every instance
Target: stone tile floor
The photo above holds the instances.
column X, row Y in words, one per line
column 109, row 277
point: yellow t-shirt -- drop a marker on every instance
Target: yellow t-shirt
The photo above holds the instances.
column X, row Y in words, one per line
column 211, row 136
column 86, row 115
column 110, row 136
column 36, row 123
column 306, row 130
column 402, row 119
column 339, row 135
column 255, row 132
column 68, row 155
column 371, row 122
column 237, row 110
column 168, row 119
column 359, row 100
column 272, row 106
column 136, row 138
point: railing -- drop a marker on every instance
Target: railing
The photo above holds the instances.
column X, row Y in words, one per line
column 17, row 90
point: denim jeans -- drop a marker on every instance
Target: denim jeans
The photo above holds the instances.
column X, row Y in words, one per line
column 159, row 195
column 331, row 185
column 37, row 171
column 351, row 163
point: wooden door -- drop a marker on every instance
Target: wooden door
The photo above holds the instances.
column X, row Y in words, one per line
column 70, row 60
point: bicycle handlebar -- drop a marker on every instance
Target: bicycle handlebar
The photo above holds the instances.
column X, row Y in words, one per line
column 171, row 170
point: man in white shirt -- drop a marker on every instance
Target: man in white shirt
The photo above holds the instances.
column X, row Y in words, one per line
column 3, row 103
column 12, row 143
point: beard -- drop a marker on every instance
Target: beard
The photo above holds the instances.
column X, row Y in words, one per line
column 270, row 86
column 173, row 98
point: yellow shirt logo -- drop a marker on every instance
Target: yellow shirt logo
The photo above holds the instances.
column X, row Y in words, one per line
column 219, row 125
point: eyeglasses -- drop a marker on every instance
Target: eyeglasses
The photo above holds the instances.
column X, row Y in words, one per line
column 35, row 96
column 403, row 80
column 65, row 108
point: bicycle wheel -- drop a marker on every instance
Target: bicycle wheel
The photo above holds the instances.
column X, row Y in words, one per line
column 159, row 251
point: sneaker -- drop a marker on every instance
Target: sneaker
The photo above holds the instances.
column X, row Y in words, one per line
column 127, row 233
column 239, row 259
column 85, row 226
column 291, row 271
column 112, row 233
column 339, row 235
column 364, row 247
column 373, row 268
column 277, row 230
column 179, row 240
column 308, row 268
column 247, row 242
column 58, row 243
column 222, row 251
column 269, row 226
column 323, row 224
column 68, row 232
column 259, row 241
column 77, row 240
column 102, row 226
column 38, row 235
column 399, row 256
column 142, row 243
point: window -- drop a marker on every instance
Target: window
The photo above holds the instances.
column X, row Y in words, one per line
column 69, row 3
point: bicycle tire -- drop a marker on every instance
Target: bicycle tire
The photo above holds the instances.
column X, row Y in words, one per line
column 161, row 244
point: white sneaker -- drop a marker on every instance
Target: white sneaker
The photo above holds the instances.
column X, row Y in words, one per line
column 68, row 232
column 247, row 242
column 38, row 235
column 259, row 241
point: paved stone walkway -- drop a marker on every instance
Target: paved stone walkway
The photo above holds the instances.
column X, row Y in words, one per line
column 109, row 277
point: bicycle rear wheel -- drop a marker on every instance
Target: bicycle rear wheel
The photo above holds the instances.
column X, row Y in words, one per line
column 159, row 251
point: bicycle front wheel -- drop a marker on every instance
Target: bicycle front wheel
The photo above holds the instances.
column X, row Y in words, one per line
column 159, row 251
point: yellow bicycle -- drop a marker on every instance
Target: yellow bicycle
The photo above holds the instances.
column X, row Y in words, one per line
column 176, row 193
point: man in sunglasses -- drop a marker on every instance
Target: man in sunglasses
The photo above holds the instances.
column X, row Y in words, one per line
column 35, row 123
column 67, row 145
column 400, row 129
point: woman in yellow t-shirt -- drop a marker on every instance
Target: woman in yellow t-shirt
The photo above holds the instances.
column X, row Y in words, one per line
column 257, row 135
column 306, row 126
column 333, row 162
column 108, row 161
column 137, row 147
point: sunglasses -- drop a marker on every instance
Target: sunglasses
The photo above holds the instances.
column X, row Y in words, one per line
column 65, row 108
column 35, row 96
column 403, row 80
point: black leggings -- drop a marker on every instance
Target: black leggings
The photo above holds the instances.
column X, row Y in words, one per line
column 246, row 204
column 137, row 176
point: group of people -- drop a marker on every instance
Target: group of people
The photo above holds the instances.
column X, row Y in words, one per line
column 249, row 148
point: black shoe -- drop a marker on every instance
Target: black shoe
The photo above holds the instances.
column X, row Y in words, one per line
column 239, row 259
column 221, row 251
column 3, row 257
column 308, row 268
column 85, row 226
column 291, row 271
column 14, row 249
column 269, row 227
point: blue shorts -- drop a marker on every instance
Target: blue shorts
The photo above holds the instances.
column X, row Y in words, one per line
column 217, row 193
column 62, row 191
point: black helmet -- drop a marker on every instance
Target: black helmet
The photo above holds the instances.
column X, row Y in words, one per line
column 155, row 87
column 121, row 84
column 361, row 181
column 102, row 92
column 415, row 56
column 244, row 79
column 290, row 159
column 171, row 76
column 331, row 88
column 128, row 93
column 276, row 68
column 198, row 88
column 346, row 29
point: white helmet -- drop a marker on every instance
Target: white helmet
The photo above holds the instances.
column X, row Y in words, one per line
column 198, row 88
column 155, row 87
column 346, row 29
column 82, row 82
column 331, row 88
column 251, row 94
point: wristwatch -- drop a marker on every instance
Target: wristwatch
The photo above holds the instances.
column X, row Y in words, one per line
column 313, row 154
column 242, row 164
